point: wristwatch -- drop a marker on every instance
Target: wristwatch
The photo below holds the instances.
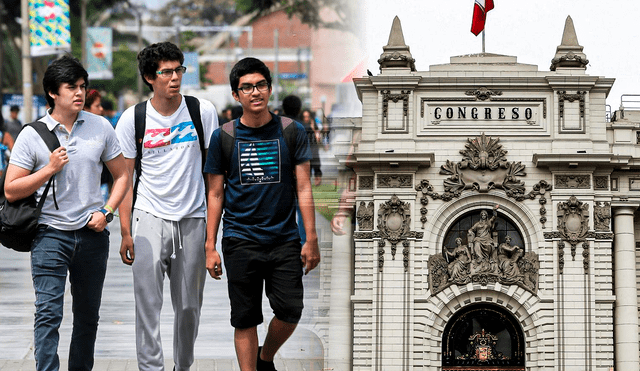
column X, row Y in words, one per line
column 108, row 215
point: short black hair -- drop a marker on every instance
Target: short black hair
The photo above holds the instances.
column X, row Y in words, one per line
column 150, row 57
column 291, row 106
column 246, row 66
column 14, row 108
column 65, row 69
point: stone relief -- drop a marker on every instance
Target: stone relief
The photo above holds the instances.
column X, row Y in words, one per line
column 573, row 227
column 602, row 216
column 601, row 183
column 366, row 182
column 563, row 96
column 573, row 181
column 483, row 260
column 395, row 181
column 364, row 216
column 484, row 167
column 394, row 222
column 483, row 93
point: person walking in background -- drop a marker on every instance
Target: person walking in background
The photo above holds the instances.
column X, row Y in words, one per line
column 315, row 139
column 93, row 104
column 261, row 244
column 164, row 231
column 72, row 236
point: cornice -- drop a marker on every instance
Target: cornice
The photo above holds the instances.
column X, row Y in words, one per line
column 571, row 159
column 394, row 159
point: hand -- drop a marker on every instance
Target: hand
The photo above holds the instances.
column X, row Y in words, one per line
column 214, row 265
column 310, row 255
column 57, row 159
column 337, row 224
column 127, row 253
column 97, row 221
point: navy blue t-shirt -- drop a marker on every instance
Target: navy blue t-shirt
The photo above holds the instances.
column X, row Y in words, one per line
column 260, row 194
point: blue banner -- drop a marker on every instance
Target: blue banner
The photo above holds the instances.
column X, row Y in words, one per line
column 191, row 79
column 99, row 56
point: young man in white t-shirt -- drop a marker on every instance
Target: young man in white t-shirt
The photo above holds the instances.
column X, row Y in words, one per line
column 165, row 231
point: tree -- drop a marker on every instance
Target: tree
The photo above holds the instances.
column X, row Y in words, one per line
column 335, row 14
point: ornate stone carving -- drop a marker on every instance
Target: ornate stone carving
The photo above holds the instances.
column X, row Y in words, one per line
column 578, row 96
column 573, row 227
column 484, row 167
column 602, row 216
column 395, row 181
column 571, row 59
column 601, row 183
column 366, row 182
column 483, row 93
column 364, row 216
column 426, row 189
column 573, row 182
column 560, row 256
column 482, row 260
column 386, row 97
column 394, row 220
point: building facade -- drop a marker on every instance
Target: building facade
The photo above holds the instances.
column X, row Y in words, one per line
column 496, row 219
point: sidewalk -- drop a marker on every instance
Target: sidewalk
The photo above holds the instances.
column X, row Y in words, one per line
column 115, row 345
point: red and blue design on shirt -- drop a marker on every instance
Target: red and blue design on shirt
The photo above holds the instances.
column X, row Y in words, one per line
column 181, row 133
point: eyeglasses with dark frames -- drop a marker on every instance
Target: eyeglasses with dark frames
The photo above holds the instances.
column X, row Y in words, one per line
column 262, row 86
column 169, row 72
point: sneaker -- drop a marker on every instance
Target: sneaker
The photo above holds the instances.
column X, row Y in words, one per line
column 264, row 365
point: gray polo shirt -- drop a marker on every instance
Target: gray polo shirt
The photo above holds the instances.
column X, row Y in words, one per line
column 91, row 142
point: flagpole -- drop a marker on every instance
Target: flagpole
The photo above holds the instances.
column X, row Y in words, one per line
column 483, row 41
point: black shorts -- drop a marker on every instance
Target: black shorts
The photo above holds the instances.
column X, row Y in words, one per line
column 249, row 265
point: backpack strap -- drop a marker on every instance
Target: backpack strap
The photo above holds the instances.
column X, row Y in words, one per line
column 193, row 105
column 290, row 133
column 52, row 142
column 228, row 142
column 140, row 122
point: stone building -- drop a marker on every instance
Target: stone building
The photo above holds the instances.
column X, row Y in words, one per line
column 496, row 219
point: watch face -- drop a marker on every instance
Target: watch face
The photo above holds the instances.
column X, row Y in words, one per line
column 109, row 217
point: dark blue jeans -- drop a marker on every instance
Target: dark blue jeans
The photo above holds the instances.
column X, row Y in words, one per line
column 83, row 253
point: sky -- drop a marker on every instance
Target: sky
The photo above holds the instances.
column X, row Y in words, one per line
column 528, row 30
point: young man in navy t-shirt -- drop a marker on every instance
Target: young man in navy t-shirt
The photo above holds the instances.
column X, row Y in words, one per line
column 261, row 244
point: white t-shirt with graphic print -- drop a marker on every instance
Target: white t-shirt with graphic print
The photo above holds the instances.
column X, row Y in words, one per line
column 171, row 185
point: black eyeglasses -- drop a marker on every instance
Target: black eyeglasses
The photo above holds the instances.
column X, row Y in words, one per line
column 169, row 72
column 262, row 86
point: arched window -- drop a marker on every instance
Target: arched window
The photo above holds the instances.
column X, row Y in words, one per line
column 483, row 337
column 503, row 227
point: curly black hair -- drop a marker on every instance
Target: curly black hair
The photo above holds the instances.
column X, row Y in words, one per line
column 150, row 57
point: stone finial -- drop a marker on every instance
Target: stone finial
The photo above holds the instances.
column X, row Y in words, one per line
column 569, row 53
column 396, row 53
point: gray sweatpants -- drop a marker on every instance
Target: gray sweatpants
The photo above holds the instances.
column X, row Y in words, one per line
column 176, row 248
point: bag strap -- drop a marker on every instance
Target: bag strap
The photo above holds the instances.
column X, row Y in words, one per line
column 139, row 120
column 193, row 105
column 52, row 142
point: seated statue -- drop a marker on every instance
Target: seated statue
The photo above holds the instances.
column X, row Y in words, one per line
column 459, row 266
column 508, row 257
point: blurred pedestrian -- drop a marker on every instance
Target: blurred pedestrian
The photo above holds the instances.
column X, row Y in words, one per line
column 93, row 102
column 163, row 232
column 72, row 237
column 261, row 244
column 308, row 121
column 11, row 126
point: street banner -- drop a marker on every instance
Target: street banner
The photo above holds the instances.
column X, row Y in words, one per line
column 191, row 78
column 99, row 56
column 50, row 29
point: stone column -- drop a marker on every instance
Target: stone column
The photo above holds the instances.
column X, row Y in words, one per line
column 626, row 307
column 340, row 309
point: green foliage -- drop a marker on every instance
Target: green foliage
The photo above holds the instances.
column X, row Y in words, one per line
column 326, row 197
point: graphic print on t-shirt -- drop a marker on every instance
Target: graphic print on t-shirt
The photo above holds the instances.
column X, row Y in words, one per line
column 259, row 162
column 183, row 132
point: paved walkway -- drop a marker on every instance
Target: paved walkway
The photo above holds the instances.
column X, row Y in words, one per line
column 115, row 345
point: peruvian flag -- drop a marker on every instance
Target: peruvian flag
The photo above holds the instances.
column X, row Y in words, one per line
column 480, row 9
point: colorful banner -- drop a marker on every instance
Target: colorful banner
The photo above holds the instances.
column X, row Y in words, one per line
column 50, row 27
column 191, row 79
column 99, row 56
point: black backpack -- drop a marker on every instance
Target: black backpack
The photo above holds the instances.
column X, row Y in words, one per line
column 140, row 120
column 19, row 220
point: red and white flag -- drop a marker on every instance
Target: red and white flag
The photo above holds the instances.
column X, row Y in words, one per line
column 480, row 9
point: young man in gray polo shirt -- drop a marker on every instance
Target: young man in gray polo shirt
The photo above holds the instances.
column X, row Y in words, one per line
column 72, row 236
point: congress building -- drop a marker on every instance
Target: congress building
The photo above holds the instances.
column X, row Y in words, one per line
column 495, row 218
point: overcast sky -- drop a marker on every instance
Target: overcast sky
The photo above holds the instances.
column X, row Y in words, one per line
column 529, row 30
